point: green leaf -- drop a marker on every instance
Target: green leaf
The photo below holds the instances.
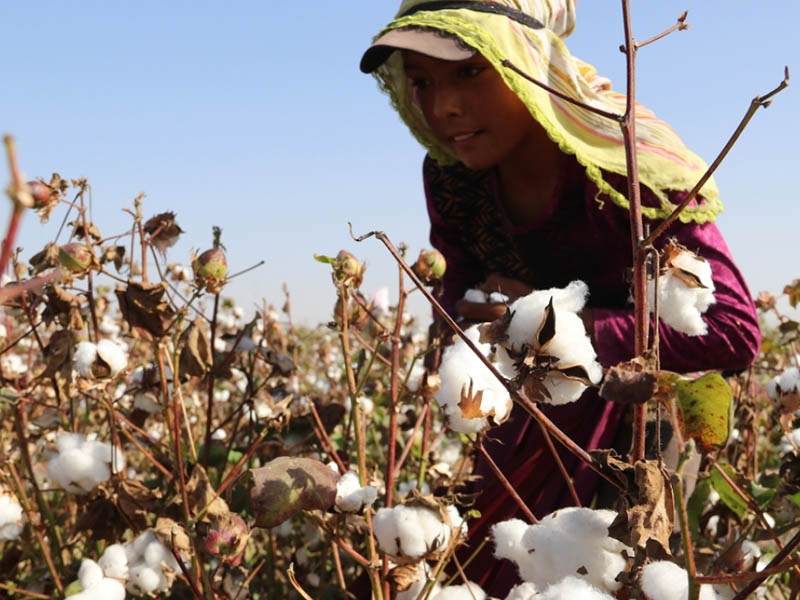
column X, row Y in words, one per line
column 795, row 498
column 694, row 507
column 726, row 493
column 705, row 405
column 761, row 494
column 324, row 259
column 285, row 486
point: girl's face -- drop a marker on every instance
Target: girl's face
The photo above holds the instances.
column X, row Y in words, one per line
column 472, row 111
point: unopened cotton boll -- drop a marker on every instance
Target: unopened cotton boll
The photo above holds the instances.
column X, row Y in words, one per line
column 681, row 304
column 350, row 496
column 664, row 580
column 467, row 591
column 462, row 372
column 11, row 522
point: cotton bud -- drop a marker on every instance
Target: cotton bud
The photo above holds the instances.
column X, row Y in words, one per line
column 348, row 270
column 227, row 537
column 685, row 290
column 40, row 193
column 210, row 270
column 430, row 266
column 11, row 523
column 75, row 257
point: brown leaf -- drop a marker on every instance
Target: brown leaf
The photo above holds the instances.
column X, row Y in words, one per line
column 496, row 331
column 646, row 511
column 793, row 291
column 404, row 576
column 143, row 305
column 202, row 497
column 58, row 354
column 173, row 535
column 470, row 403
column 278, row 360
column 196, row 357
column 115, row 254
column 627, row 383
column 547, row 329
column 78, row 230
column 135, row 501
column 287, row 485
column 163, row 230
column 63, row 307
column 46, row 259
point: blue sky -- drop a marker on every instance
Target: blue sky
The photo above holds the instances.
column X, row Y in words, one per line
column 254, row 116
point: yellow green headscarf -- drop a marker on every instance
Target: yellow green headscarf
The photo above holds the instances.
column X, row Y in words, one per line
column 665, row 163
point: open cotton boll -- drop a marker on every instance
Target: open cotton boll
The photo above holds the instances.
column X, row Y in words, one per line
column 423, row 571
column 664, row 580
column 570, row 345
column 685, row 291
column 571, row 588
column 482, row 297
column 85, row 355
column 89, row 573
column 507, row 538
column 11, row 523
column 524, row 591
column 461, row 371
column 114, row 562
column 144, row 579
column 113, row 355
column 467, row 591
column 405, row 532
column 81, row 464
column 573, row 540
column 787, row 382
column 350, row 496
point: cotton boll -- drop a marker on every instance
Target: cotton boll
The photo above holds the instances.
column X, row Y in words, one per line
column 414, row 539
column 89, row 574
column 468, row 591
column 350, row 496
column 664, row 580
column 143, row 579
column 114, row 562
column 108, row 589
column 571, row 588
column 113, row 355
column 11, row 522
column 66, row 441
column 572, row 540
column 85, row 355
column 423, row 571
column 384, row 525
column 524, row 591
column 155, row 554
column 507, row 538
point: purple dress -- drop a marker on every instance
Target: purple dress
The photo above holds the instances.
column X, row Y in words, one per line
column 582, row 235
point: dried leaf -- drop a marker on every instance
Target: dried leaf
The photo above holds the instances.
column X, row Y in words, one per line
column 202, row 497
column 163, row 231
column 46, row 259
column 173, row 535
column 496, row 331
column 63, row 307
column 115, row 254
column 196, row 358
column 470, row 403
column 547, row 330
column 626, row 383
column 135, row 501
column 279, row 361
column 287, row 485
column 645, row 510
column 403, row 577
column 793, row 291
column 143, row 305
column 58, row 354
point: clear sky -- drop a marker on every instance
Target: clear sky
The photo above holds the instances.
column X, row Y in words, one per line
column 254, row 116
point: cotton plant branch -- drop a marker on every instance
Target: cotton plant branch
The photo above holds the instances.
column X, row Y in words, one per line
column 529, row 406
column 394, row 389
column 756, row 103
column 20, row 199
column 681, row 25
column 507, row 484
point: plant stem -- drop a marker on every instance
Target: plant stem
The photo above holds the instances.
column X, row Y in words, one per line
column 211, row 372
column 394, row 389
column 506, row 484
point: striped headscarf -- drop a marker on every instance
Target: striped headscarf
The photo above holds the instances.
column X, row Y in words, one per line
column 665, row 163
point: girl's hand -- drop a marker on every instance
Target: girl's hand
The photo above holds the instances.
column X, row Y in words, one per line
column 489, row 311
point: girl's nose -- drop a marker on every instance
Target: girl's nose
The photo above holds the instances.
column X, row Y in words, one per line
column 447, row 102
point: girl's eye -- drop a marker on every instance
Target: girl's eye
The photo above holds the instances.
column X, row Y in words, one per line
column 469, row 71
column 418, row 83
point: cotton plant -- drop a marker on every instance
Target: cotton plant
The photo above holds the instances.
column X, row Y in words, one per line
column 151, row 565
column 408, row 532
column 80, row 464
column 11, row 519
column 470, row 396
column 350, row 496
column 685, row 290
column 568, row 542
column 544, row 339
column 104, row 359
column 664, row 580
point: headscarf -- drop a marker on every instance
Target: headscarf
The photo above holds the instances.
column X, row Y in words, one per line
column 665, row 163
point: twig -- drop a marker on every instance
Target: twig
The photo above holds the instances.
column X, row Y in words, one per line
column 210, row 395
column 325, row 439
column 681, row 25
column 16, row 590
column 557, row 457
column 247, row 270
column 19, row 207
column 756, row 103
column 506, row 484
column 295, row 584
column 777, row 560
column 420, row 419
column 394, row 388
column 609, row 115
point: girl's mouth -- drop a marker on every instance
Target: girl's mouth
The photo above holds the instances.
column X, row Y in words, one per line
column 464, row 136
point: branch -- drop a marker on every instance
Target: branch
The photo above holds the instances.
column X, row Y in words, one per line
column 756, row 103
column 681, row 25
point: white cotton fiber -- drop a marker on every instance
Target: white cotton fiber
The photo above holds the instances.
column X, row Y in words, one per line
column 147, row 560
column 570, row 345
column 566, row 542
column 664, row 580
column 787, row 382
column 108, row 589
column 11, row 523
column 571, row 588
column 413, row 591
column 113, row 355
column 417, row 529
column 524, row 591
column 144, row 579
column 89, row 574
column 114, row 562
column 85, row 355
column 350, row 496
column 680, row 305
column 467, row 591
column 82, row 464
column 460, row 369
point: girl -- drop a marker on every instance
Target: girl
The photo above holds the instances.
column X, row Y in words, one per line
column 527, row 191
